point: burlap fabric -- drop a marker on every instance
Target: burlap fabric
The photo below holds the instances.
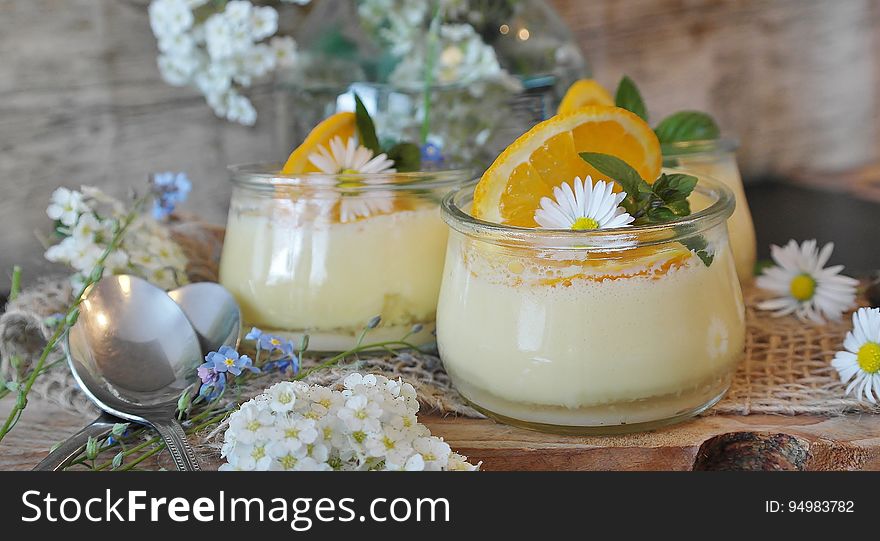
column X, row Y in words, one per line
column 786, row 369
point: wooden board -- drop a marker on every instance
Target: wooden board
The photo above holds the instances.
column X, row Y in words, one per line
column 757, row 442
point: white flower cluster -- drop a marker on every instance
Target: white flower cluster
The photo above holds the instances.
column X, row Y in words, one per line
column 370, row 424
column 463, row 57
column 87, row 220
column 219, row 51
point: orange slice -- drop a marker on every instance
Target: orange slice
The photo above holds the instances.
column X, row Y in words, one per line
column 341, row 125
column 546, row 156
column 584, row 92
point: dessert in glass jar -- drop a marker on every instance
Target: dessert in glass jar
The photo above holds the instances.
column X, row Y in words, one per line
column 588, row 306
column 717, row 158
column 334, row 238
column 691, row 142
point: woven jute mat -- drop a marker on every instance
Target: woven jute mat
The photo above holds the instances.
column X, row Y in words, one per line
column 786, row 368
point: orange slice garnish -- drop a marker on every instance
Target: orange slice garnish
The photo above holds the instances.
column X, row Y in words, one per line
column 339, row 125
column 546, row 156
column 584, row 92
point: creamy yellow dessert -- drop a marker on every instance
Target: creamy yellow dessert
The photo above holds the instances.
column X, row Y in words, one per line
column 336, row 237
column 329, row 279
column 572, row 344
column 586, row 289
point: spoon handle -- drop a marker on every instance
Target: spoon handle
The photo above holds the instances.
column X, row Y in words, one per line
column 178, row 446
column 60, row 458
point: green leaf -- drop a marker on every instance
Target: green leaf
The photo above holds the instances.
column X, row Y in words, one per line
column 407, row 157
column 619, row 170
column 628, row 97
column 365, row 127
column 762, row 264
column 680, row 208
column 687, row 126
column 674, row 187
column 698, row 245
column 660, row 215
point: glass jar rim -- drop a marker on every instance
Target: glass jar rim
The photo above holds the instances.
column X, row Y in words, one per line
column 267, row 176
column 699, row 147
column 622, row 238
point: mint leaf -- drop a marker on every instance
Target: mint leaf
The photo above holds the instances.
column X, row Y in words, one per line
column 628, row 97
column 365, row 127
column 619, row 170
column 687, row 126
column 680, row 208
column 762, row 264
column 675, row 187
column 699, row 246
column 407, row 157
column 660, row 215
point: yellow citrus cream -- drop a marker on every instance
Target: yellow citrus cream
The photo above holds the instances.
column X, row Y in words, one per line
column 633, row 336
column 295, row 268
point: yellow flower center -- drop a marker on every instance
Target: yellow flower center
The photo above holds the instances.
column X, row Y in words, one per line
column 803, row 287
column 869, row 357
column 253, row 426
column 389, row 443
column 291, row 433
column 229, row 362
column 275, row 341
column 584, row 224
column 258, row 453
column 287, row 462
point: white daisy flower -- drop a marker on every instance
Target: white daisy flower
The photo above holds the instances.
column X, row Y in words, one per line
column 349, row 158
column 806, row 287
column 587, row 206
column 860, row 362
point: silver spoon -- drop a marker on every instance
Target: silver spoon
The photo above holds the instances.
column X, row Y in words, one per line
column 216, row 319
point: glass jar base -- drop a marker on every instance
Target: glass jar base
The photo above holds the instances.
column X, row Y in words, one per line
column 607, row 419
column 339, row 340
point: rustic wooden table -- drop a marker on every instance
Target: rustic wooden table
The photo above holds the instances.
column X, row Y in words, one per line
column 754, row 442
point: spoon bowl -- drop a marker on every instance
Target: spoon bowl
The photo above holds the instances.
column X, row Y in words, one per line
column 216, row 319
column 133, row 352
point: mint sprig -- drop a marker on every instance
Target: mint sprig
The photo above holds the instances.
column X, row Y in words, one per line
column 628, row 97
column 663, row 201
column 687, row 126
column 407, row 157
column 675, row 128
column 365, row 127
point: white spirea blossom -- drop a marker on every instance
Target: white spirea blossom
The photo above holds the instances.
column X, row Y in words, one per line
column 220, row 53
column 368, row 424
column 87, row 219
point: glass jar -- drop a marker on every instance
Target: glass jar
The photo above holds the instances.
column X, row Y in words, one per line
column 717, row 159
column 323, row 254
column 466, row 77
column 591, row 331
